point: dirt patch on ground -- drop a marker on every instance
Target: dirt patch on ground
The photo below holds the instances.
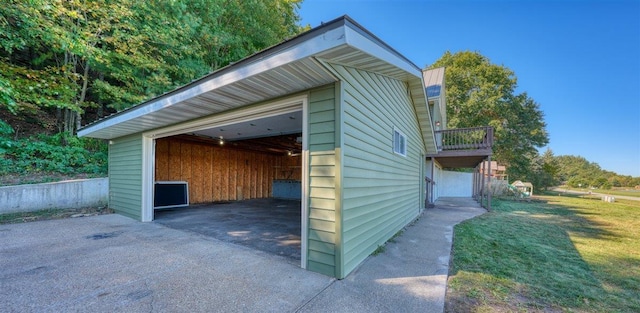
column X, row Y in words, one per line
column 30, row 124
column 479, row 300
column 37, row 178
column 24, row 217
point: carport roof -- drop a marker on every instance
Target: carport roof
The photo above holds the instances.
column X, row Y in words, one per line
column 292, row 66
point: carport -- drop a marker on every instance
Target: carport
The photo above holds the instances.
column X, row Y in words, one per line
column 244, row 176
column 335, row 113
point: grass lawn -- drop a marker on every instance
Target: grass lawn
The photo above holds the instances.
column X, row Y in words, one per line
column 558, row 254
column 23, row 217
column 612, row 192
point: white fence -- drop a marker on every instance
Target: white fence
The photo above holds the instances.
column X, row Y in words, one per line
column 79, row 193
column 455, row 184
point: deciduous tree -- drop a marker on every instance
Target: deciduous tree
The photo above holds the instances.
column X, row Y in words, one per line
column 481, row 93
column 113, row 54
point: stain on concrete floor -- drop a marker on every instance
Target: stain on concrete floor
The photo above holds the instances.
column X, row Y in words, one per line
column 270, row 225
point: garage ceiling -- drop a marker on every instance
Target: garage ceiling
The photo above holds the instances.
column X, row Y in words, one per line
column 284, row 124
column 280, row 145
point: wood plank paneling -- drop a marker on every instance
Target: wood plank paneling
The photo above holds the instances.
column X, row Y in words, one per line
column 224, row 174
column 186, row 162
column 197, row 168
column 163, row 161
column 233, row 175
column 207, row 173
column 175, row 161
column 216, row 173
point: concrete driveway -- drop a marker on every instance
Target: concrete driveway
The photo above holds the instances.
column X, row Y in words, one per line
column 111, row 263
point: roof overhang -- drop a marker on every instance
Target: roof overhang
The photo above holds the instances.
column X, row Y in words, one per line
column 460, row 161
column 281, row 70
column 435, row 88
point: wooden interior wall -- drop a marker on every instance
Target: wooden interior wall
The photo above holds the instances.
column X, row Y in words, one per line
column 216, row 173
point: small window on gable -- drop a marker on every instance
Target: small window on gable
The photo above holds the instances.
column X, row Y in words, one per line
column 399, row 143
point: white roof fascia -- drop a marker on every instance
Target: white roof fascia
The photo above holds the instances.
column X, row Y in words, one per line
column 430, row 131
column 322, row 42
column 379, row 50
column 342, row 31
column 370, row 44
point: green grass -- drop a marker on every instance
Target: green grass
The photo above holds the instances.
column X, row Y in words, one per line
column 612, row 192
column 383, row 247
column 619, row 192
column 50, row 214
column 378, row 250
column 558, row 254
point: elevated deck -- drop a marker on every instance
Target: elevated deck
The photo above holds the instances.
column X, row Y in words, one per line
column 463, row 147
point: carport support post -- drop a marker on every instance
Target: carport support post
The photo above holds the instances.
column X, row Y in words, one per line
column 148, row 166
column 478, row 183
column 433, row 179
column 489, row 185
column 482, row 190
column 475, row 183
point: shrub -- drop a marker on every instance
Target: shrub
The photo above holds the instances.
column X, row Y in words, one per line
column 60, row 153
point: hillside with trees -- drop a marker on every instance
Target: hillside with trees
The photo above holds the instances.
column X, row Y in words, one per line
column 576, row 171
column 64, row 64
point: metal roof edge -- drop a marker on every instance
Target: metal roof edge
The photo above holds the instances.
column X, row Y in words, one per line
column 256, row 57
column 166, row 100
column 365, row 32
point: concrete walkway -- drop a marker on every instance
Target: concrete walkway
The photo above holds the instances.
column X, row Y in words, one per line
column 111, row 263
column 411, row 275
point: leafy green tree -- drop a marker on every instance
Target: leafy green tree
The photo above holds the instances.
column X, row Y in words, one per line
column 575, row 166
column 578, row 182
column 599, row 182
column 543, row 170
column 572, row 169
column 74, row 58
column 480, row 93
column 112, row 54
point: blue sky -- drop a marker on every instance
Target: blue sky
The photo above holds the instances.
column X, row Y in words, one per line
column 580, row 60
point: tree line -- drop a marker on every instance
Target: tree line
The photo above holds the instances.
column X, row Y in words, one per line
column 66, row 63
column 578, row 172
column 76, row 58
column 480, row 93
column 77, row 61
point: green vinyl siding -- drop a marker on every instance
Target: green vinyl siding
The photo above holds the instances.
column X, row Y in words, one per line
column 380, row 189
column 125, row 176
column 322, row 181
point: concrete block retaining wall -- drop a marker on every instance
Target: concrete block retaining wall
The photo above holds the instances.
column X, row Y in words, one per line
column 79, row 193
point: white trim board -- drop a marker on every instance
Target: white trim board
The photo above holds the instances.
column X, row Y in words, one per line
column 245, row 114
column 322, row 42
